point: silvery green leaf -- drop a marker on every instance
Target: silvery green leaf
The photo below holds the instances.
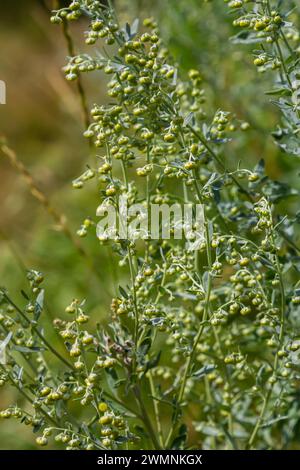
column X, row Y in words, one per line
column 188, row 119
column 3, row 345
column 204, row 371
column 245, row 37
column 135, row 26
column 39, row 305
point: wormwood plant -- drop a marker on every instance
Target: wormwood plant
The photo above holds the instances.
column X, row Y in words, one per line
column 274, row 28
column 202, row 346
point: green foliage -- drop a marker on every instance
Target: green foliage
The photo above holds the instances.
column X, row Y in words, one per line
column 274, row 29
column 202, row 347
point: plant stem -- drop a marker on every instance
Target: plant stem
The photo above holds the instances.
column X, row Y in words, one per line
column 236, row 182
column 275, row 365
column 190, row 359
column 156, row 410
column 39, row 334
column 72, row 53
column 28, row 398
column 146, row 418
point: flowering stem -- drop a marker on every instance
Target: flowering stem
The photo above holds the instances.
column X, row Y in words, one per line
column 190, row 359
column 28, row 398
column 39, row 334
column 275, row 365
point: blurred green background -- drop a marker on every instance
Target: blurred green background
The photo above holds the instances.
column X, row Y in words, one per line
column 42, row 122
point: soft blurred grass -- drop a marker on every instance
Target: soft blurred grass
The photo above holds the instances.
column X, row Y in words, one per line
column 42, row 121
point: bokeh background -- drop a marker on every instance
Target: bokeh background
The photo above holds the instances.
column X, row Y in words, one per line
column 43, row 123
